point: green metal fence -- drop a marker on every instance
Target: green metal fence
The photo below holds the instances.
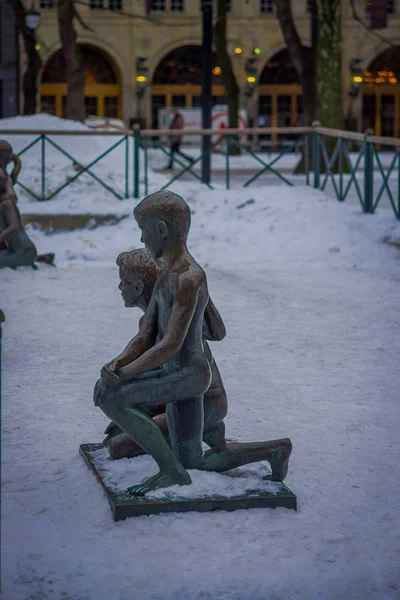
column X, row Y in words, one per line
column 44, row 139
column 319, row 159
column 339, row 169
column 327, row 158
column 227, row 138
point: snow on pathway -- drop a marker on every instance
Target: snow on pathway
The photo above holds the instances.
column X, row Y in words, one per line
column 309, row 295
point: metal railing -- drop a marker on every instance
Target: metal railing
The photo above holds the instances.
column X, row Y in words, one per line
column 341, row 171
column 326, row 165
column 43, row 138
column 227, row 138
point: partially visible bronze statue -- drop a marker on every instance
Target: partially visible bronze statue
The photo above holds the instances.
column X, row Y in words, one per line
column 165, row 364
column 138, row 273
column 16, row 248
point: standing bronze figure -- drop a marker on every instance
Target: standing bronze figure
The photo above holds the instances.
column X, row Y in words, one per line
column 138, row 274
column 166, row 363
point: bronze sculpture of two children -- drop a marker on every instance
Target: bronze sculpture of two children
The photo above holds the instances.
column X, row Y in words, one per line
column 164, row 392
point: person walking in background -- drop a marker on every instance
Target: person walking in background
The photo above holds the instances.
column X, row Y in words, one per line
column 178, row 122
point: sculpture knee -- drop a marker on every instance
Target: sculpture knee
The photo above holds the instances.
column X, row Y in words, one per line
column 101, row 395
column 29, row 256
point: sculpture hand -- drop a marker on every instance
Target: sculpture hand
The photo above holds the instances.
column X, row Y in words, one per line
column 115, row 364
column 109, row 376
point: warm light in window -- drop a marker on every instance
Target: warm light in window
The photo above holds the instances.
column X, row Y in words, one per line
column 357, row 79
column 141, row 78
column 381, row 77
column 251, row 79
column 238, row 50
column 217, row 70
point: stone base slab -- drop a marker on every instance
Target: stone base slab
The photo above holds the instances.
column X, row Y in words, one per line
column 123, row 505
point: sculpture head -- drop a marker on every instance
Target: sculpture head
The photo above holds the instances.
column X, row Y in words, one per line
column 6, row 154
column 164, row 218
column 138, row 272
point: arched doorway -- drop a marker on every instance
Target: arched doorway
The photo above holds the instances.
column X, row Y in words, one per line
column 280, row 94
column 381, row 94
column 177, row 81
column 102, row 87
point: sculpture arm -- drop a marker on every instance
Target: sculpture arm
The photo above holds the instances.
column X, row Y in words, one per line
column 214, row 328
column 11, row 216
column 17, row 168
column 183, row 309
column 142, row 341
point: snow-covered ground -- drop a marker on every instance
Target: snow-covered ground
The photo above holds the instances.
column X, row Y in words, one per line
column 309, row 294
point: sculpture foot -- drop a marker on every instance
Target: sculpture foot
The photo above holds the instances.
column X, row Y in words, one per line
column 48, row 259
column 112, row 430
column 161, row 480
column 280, row 461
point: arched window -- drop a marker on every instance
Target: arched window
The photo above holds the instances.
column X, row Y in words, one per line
column 178, row 78
column 280, row 93
column 184, row 66
column 102, row 84
column 381, row 94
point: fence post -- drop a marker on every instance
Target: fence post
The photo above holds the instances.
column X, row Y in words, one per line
column 136, row 148
column 2, row 319
column 227, row 172
column 398, row 184
column 127, row 166
column 43, row 159
column 316, row 154
column 368, row 175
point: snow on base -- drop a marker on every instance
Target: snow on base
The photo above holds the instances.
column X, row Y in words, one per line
column 119, row 475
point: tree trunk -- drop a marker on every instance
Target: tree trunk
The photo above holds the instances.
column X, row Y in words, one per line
column 329, row 65
column 73, row 61
column 329, row 70
column 228, row 75
column 34, row 63
column 305, row 68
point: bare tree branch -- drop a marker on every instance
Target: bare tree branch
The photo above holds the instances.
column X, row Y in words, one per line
column 291, row 35
column 83, row 24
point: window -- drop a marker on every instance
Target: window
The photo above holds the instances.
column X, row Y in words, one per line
column 178, row 101
column 111, row 106
column 310, row 5
column 267, row 7
column 158, row 5
column 46, row 3
column 115, row 5
column 391, row 7
column 96, row 4
column 228, row 4
column 177, row 6
column 91, row 106
column 48, row 104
